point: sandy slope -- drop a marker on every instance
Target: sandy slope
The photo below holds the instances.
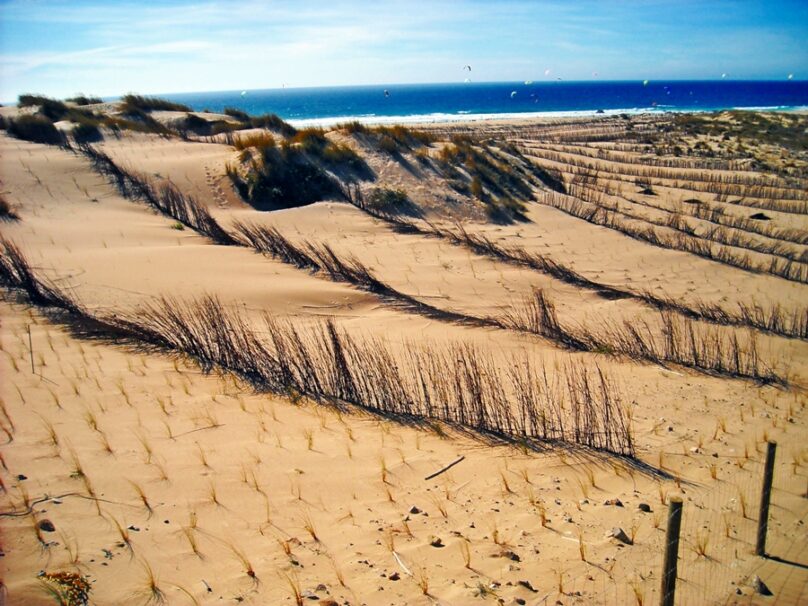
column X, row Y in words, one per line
column 275, row 465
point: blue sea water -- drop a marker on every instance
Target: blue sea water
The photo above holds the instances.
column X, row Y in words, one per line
column 468, row 101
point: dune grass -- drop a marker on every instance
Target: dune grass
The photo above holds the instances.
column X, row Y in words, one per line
column 36, row 128
column 299, row 170
column 132, row 102
column 7, row 213
column 670, row 338
column 727, row 255
column 684, row 343
column 579, row 406
column 83, row 99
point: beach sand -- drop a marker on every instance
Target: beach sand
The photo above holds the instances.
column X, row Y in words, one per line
column 165, row 483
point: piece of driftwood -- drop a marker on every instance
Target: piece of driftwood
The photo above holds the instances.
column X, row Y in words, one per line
column 447, row 468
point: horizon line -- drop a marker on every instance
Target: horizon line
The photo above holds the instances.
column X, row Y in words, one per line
column 111, row 98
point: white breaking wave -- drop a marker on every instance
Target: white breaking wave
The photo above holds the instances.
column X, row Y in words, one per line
column 470, row 117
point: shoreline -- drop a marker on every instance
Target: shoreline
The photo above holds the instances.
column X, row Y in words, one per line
column 444, row 118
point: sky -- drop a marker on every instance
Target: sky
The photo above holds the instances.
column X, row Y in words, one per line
column 109, row 48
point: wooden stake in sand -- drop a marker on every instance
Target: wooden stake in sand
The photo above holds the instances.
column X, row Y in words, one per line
column 765, row 498
column 447, row 468
column 669, row 568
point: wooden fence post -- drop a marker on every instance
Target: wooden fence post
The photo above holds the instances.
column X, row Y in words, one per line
column 765, row 498
column 671, row 551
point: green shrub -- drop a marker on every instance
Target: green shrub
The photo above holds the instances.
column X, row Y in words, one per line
column 29, row 100
column 283, row 177
column 353, row 128
column 385, row 200
column 342, row 157
column 54, row 110
column 84, row 100
column 36, row 128
column 311, row 140
column 388, row 145
column 258, row 140
column 272, row 122
column 392, row 140
column 148, row 104
column 6, row 212
column 201, row 126
column 237, row 114
column 86, row 132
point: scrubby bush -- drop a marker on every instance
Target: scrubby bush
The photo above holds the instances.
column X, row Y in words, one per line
column 388, row 145
column 54, row 110
column 391, row 201
column 237, row 114
column 268, row 121
column 272, row 122
column 258, row 140
column 200, row 126
column 393, row 140
column 29, row 100
column 353, row 128
column 137, row 119
column 36, row 128
column 283, row 177
column 148, row 104
column 84, row 100
column 6, row 212
column 86, row 132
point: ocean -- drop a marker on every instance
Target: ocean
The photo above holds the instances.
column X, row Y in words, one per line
column 403, row 103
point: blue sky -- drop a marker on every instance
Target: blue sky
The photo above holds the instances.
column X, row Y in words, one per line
column 109, row 48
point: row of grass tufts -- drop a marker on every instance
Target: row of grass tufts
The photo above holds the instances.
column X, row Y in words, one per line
column 670, row 339
column 774, row 319
column 787, row 269
column 458, row 384
column 684, row 342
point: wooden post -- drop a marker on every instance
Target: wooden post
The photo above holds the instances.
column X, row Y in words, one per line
column 765, row 498
column 671, row 551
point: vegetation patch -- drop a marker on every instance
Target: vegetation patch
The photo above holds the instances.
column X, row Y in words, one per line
column 384, row 201
column 268, row 121
column 36, row 128
column 393, row 140
column 501, row 177
column 84, row 100
column 282, row 177
column 300, row 170
column 86, row 132
column 54, row 110
column 131, row 103
column 6, row 212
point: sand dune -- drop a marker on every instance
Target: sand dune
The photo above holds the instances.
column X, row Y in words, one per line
column 163, row 483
